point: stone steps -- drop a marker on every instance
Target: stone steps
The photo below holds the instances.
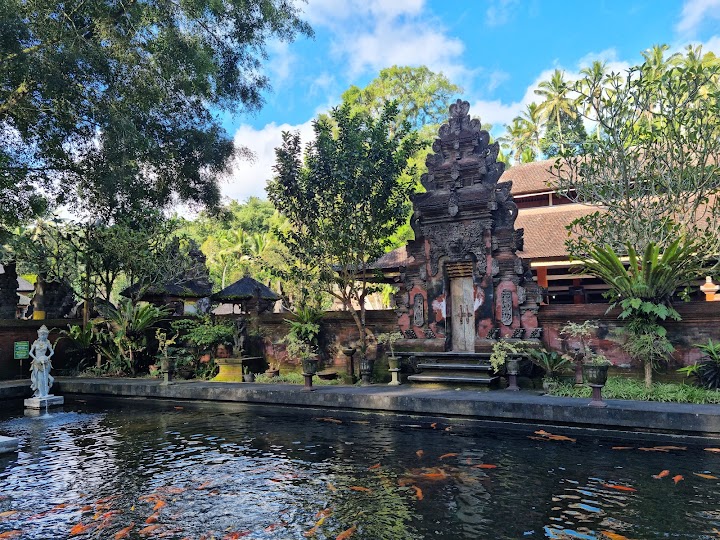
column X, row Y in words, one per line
column 451, row 367
column 424, row 378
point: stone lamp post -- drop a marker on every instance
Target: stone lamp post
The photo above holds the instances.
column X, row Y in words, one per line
column 710, row 290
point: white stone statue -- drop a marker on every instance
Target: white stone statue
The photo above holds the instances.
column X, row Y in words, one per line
column 41, row 352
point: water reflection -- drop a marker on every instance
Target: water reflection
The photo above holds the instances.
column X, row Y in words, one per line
column 163, row 471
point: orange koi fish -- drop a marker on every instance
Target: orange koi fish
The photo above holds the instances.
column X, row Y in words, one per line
column 613, row 536
column 236, row 535
column 153, row 519
column 7, row 514
column 418, row 493
column 376, row 466
column 706, row 476
column 433, row 425
column 346, row 534
column 677, row 478
column 331, row 487
column 79, row 528
column 323, row 513
column 419, row 453
column 485, row 466
column 402, row 482
column 10, row 534
column 274, row 526
column 158, row 505
column 662, row 474
column 124, row 533
column 619, row 487
column 178, row 408
column 715, row 450
column 552, row 437
column 172, row 490
column 148, row 530
column 328, row 419
column 106, row 499
column 310, row 532
column 450, row 454
column 435, row 476
column 361, row 488
column 205, row 485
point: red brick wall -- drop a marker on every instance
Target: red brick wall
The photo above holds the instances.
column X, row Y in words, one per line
column 700, row 322
column 15, row 330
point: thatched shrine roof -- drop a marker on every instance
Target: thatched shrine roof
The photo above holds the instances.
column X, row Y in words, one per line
column 194, row 288
column 245, row 289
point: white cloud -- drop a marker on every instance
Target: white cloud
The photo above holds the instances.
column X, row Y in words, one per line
column 694, row 13
column 500, row 12
column 248, row 178
column 281, row 61
column 334, row 12
column 496, row 78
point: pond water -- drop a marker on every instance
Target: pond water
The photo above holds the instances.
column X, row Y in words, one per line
column 160, row 470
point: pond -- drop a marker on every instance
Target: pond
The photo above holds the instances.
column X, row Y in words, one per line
column 166, row 470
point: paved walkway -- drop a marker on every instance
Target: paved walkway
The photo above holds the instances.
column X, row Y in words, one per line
column 500, row 405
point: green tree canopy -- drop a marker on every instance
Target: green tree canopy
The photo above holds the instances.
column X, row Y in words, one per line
column 343, row 197
column 109, row 106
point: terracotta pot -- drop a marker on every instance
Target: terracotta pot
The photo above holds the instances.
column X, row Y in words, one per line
column 272, row 373
column 595, row 374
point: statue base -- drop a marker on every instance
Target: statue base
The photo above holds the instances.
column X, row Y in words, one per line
column 44, row 402
column 231, row 369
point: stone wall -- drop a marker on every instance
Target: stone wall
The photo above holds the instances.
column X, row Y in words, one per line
column 12, row 330
column 700, row 322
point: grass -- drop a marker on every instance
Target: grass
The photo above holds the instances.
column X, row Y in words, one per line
column 294, row 378
column 624, row 388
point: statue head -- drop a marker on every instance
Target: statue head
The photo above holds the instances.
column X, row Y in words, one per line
column 43, row 332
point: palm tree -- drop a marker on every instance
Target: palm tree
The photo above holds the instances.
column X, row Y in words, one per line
column 555, row 92
column 532, row 120
column 516, row 139
column 591, row 88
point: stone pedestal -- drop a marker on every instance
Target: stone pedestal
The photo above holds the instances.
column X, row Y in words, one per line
column 395, row 374
column 44, row 402
column 8, row 444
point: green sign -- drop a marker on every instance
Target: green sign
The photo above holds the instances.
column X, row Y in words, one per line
column 22, row 350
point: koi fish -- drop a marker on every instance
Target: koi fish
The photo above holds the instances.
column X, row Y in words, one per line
column 153, row 518
column 10, row 534
column 274, row 526
column 435, row 476
column 552, row 437
column 178, row 408
column 361, row 422
column 172, row 490
column 671, row 447
column 106, row 499
column 419, row 453
column 323, row 513
column 86, row 508
column 148, row 530
column 158, row 505
column 485, row 466
column 613, row 536
column 654, row 449
column 124, row 533
column 715, row 450
column 433, row 425
column 205, row 485
column 677, row 478
column 376, row 466
column 706, row 476
column 360, row 488
column 328, row 419
column 7, row 514
column 346, row 534
column 236, row 535
column 402, row 482
column 662, row 474
column 418, row 493
column 79, row 528
column 310, row 532
column 448, row 455
column 621, row 448
column 331, row 487
column 619, row 487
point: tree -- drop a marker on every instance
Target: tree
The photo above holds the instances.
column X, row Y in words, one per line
column 571, row 137
column 112, row 106
column 344, row 198
column 557, row 102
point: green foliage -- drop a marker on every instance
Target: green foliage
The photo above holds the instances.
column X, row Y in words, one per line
column 113, row 106
column 128, row 325
column 707, row 370
column 571, row 137
column 551, row 362
column 306, row 325
column 391, row 338
column 503, row 350
column 203, row 334
column 291, row 377
column 625, row 388
column 343, row 198
column 82, row 344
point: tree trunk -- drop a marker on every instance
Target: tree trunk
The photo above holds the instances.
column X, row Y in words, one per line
column 648, row 374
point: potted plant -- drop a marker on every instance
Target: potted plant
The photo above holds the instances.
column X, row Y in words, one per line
column 273, row 369
column 508, row 354
column 595, row 369
column 552, row 363
column 389, row 339
column 581, row 333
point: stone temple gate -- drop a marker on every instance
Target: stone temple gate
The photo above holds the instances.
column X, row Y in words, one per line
column 462, row 284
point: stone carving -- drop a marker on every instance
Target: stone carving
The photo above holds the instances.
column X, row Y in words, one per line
column 456, row 241
column 429, row 334
column 41, row 351
column 494, row 333
column 410, row 334
column 418, row 311
column 536, row 333
column 506, row 308
column 240, row 336
column 59, row 299
column 518, row 333
column 521, row 294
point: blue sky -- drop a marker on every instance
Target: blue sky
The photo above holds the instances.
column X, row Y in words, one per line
column 496, row 50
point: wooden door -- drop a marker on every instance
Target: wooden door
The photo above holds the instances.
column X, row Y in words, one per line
column 462, row 314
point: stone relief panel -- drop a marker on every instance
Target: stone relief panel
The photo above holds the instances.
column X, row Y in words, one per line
column 506, row 308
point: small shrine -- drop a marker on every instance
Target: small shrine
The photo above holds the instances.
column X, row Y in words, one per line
column 462, row 284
